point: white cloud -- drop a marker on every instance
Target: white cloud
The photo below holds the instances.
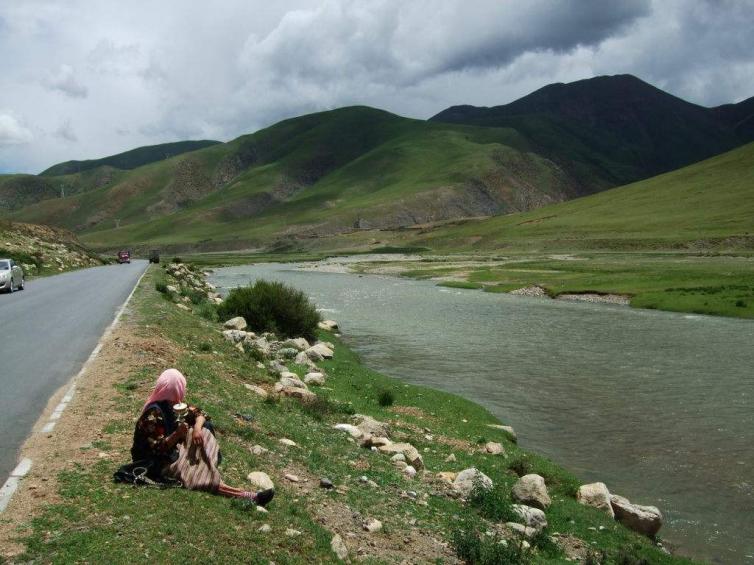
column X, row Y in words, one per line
column 146, row 72
column 12, row 132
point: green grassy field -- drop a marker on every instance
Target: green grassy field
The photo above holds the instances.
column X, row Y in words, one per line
column 95, row 517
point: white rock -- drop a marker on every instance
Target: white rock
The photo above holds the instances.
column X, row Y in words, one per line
column 451, row 458
column 317, row 379
column 522, row 530
column 298, row 343
column 532, row 491
column 328, row 325
column 532, row 517
column 260, row 480
column 372, row 525
column 234, row 336
column 410, row 471
column 467, row 479
column 258, row 450
column 265, row 528
column 291, row 533
column 258, row 390
column 369, row 425
column 351, row 430
column 413, row 457
column 398, row 457
column 646, row 520
column 494, row 448
column 237, row 323
column 401, row 465
column 319, row 351
column 339, row 547
column 288, row 442
column 172, row 289
column 292, row 478
column 596, row 495
column 292, row 381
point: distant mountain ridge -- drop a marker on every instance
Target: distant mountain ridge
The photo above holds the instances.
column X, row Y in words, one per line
column 130, row 159
column 612, row 130
column 355, row 169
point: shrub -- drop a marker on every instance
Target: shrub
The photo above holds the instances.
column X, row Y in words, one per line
column 474, row 548
column 321, row 407
column 740, row 304
column 273, row 307
column 176, row 260
column 385, row 397
column 161, row 287
column 205, row 347
column 493, row 504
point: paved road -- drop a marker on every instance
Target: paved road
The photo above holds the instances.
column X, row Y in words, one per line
column 46, row 334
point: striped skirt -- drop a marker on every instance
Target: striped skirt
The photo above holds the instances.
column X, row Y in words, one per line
column 196, row 466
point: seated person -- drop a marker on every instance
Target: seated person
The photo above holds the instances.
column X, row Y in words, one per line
column 173, row 452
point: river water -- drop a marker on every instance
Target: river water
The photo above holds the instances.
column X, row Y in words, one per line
column 659, row 406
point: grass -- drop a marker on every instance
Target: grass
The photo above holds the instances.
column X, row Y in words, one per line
column 95, row 517
column 701, row 283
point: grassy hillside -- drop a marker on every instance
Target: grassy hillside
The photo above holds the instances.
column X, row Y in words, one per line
column 702, row 203
column 129, row 159
column 613, row 130
column 314, row 176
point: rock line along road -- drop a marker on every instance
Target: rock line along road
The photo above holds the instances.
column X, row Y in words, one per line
column 47, row 333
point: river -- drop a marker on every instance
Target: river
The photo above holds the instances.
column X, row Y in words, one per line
column 659, row 406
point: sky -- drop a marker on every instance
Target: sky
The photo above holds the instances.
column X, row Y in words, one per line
column 84, row 79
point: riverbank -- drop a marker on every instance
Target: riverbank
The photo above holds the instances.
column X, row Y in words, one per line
column 712, row 284
column 68, row 508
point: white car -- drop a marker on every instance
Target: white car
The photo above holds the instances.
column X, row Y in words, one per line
column 11, row 276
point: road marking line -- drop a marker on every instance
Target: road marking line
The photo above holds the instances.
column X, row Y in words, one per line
column 10, row 486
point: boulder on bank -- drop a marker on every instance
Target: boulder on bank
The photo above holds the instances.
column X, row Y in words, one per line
column 298, row 343
column 494, row 448
column 237, row 323
column 317, row 379
column 646, row 520
column 467, row 479
column 532, row 491
column 413, row 457
column 319, row 351
column 597, row 496
column 370, row 426
column 328, row 325
column 351, row 430
column 234, row 336
column 532, row 517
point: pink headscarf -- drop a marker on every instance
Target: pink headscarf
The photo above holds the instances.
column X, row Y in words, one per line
column 170, row 386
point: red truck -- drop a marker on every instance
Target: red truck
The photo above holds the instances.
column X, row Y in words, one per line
column 124, row 257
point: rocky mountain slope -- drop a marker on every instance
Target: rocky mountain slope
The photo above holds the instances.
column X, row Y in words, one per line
column 612, row 130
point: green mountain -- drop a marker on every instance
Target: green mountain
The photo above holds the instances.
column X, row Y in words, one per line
column 358, row 170
column 129, row 159
column 313, row 176
column 612, row 130
column 708, row 204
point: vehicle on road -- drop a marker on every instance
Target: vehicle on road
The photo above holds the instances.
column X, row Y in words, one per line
column 11, row 276
column 154, row 256
column 124, row 256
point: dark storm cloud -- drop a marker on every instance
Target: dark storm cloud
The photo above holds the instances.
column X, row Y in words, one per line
column 542, row 26
column 148, row 72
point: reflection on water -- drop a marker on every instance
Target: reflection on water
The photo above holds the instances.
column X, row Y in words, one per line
column 659, row 406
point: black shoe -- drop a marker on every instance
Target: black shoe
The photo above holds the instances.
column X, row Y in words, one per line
column 263, row 497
